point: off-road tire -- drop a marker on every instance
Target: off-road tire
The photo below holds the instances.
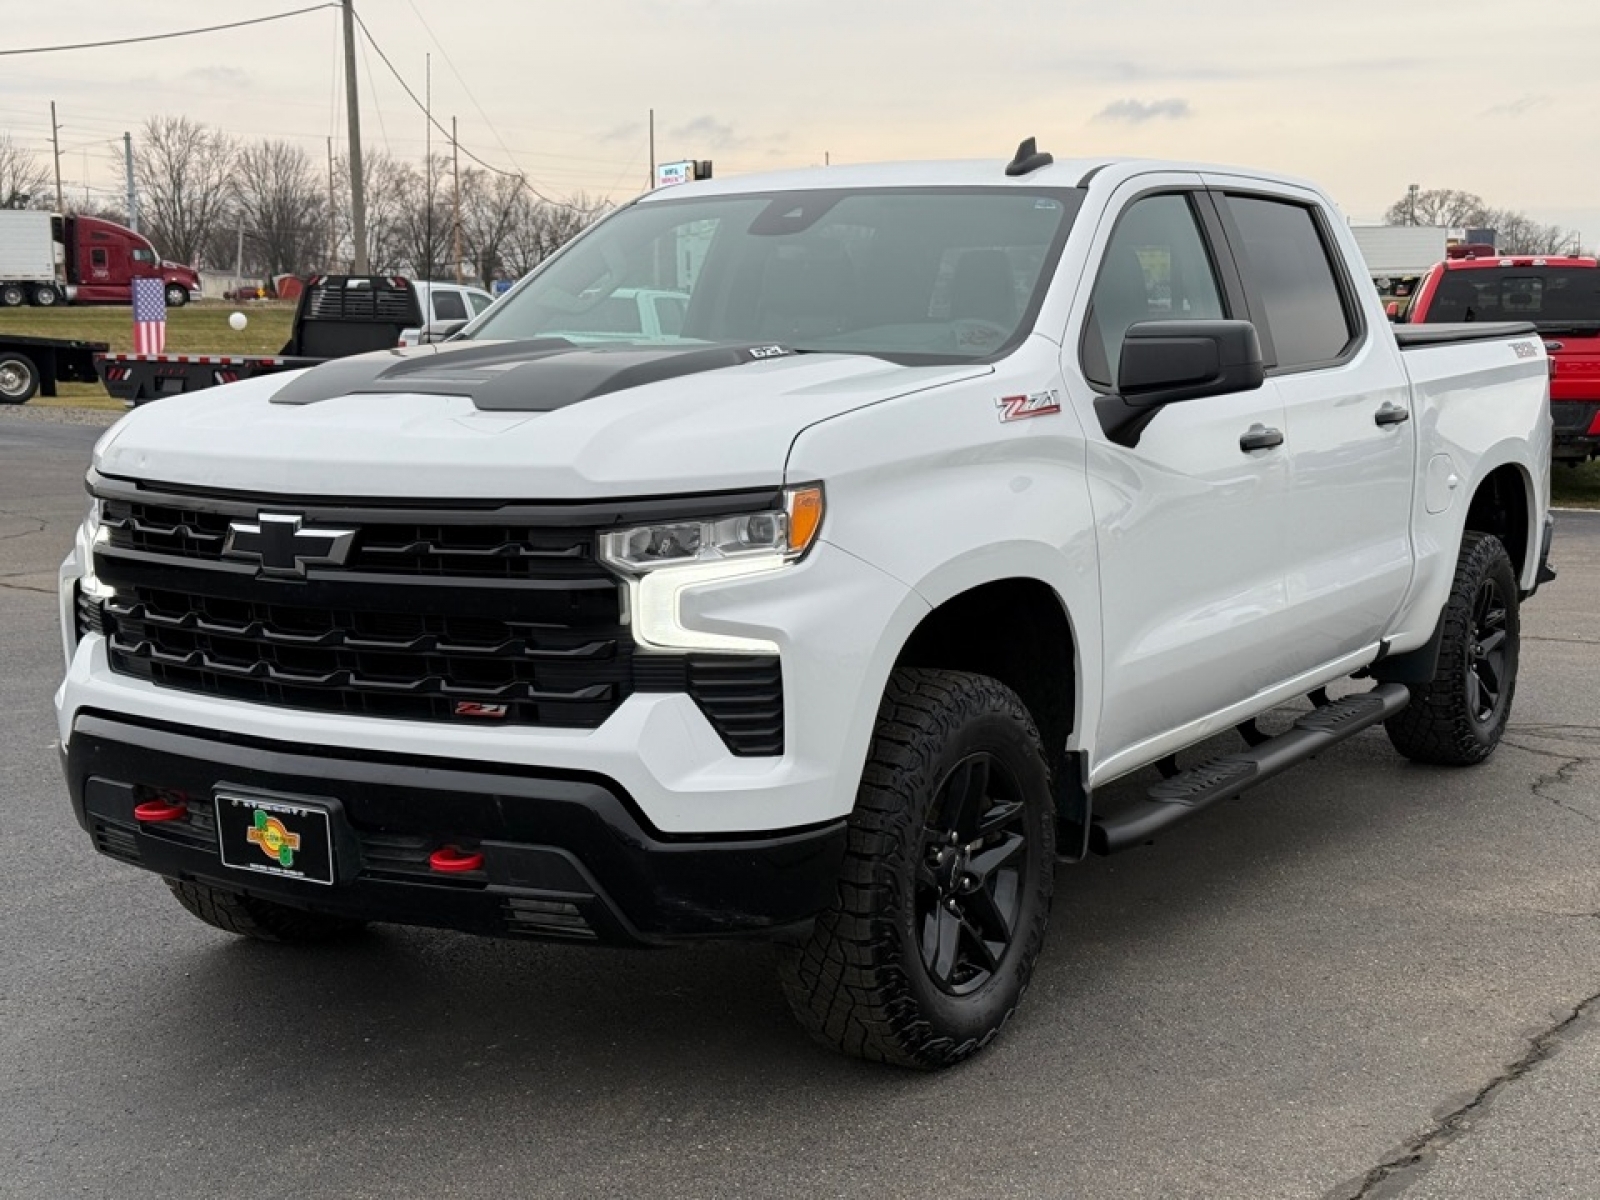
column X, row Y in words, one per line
column 19, row 378
column 1456, row 719
column 860, row 983
column 252, row 917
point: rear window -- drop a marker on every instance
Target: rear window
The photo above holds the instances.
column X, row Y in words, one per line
column 1547, row 295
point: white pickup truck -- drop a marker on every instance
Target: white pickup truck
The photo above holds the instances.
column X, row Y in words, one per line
column 963, row 490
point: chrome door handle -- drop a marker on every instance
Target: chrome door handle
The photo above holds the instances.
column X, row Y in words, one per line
column 1259, row 437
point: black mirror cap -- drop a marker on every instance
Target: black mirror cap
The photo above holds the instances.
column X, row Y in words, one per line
column 1167, row 362
column 440, row 331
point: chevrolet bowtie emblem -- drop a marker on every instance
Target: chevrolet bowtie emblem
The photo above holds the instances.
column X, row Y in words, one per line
column 283, row 546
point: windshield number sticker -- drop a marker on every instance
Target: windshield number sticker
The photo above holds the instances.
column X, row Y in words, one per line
column 769, row 351
column 1035, row 404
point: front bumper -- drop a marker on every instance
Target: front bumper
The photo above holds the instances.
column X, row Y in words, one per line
column 566, row 855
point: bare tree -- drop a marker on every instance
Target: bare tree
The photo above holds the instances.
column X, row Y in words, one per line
column 492, row 208
column 22, row 176
column 283, row 206
column 184, row 169
column 1517, row 233
column 1436, row 206
column 423, row 229
column 548, row 228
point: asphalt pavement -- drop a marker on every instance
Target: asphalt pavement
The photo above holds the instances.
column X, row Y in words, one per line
column 1364, row 979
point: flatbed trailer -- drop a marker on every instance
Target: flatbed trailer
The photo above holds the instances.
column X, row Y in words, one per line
column 33, row 365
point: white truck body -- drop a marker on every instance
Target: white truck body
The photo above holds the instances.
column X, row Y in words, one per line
column 1400, row 251
column 29, row 252
column 982, row 513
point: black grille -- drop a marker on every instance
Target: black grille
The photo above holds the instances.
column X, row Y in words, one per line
column 459, row 615
column 383, row 546
column 399, row 664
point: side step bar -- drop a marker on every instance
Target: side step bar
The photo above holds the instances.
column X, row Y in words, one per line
column 1186, row 793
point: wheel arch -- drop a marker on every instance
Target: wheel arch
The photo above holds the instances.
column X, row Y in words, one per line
column 1016, row 630
column 1503, row 505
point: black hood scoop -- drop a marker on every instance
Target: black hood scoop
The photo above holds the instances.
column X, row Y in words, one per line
column 530, row 376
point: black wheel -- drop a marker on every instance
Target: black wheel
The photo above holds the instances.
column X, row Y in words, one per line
column 1457, row 719
column 177, row 295
column 12, row 296
column 19, row 378
column 252, row 917
column 945, row 888
column 46, row 296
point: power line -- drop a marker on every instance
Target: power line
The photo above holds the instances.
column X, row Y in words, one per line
column 177, row 33
column 423, row 108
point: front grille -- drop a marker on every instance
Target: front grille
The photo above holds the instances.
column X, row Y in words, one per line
column 378, row 663
column 386, row 545
column 490, row 616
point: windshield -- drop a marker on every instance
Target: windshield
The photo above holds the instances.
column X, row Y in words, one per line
column 929, row 275
column 1543, row 295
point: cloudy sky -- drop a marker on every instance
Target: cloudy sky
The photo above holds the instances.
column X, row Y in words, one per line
column 1365, row 96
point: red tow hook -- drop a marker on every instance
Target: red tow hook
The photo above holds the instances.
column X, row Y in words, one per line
column 451, row 860
column 154, row 811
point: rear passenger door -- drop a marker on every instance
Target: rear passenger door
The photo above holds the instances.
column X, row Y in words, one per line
column 1349, row 437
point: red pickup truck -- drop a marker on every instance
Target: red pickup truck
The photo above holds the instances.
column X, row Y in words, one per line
column 1561, row 296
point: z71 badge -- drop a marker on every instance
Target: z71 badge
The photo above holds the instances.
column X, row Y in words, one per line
column 1036, row 404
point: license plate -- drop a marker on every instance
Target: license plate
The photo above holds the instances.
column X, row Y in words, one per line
column 275, row 835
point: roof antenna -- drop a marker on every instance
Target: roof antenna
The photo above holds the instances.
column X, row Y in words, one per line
column 1029, row 158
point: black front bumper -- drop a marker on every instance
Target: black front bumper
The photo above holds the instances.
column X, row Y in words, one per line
column 565, row 855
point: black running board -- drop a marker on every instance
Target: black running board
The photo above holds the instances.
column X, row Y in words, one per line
column 1186, row 793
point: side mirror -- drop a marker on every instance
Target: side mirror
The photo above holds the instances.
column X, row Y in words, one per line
column 1168, row 362
column 439, row 331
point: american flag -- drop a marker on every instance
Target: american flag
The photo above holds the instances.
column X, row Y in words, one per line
column 149, row 316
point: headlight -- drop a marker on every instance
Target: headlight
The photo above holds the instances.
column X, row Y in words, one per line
column 787, row 532
column 660, row 562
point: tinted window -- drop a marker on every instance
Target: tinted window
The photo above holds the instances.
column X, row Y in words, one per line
column 1549, row 295
column 1284, row 255
column 479, row 303
column 1156, row 269
column 448, row 306
column 97, row 258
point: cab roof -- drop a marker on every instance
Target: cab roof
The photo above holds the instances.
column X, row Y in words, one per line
column 1062, row 173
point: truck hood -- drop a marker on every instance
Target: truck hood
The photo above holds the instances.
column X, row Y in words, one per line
column 353, row 427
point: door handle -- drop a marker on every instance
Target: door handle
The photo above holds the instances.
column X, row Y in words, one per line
column 1259, row 437
column 1390, row 414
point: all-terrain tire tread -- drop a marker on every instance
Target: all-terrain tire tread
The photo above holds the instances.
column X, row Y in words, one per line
column 1435, row 727
column 262, row 920
column 844, row 983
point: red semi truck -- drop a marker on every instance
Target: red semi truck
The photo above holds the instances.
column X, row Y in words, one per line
column 48, row 259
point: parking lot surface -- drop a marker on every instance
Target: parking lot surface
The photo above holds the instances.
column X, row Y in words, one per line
column 1364, row 979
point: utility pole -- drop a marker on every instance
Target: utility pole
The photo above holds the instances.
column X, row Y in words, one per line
column 456, row 221
column 133, row 192
column 55, row 140
column 333, row 218
column 358, row 195
column 427, row 111
column 1411, row 193
column 651, row 182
